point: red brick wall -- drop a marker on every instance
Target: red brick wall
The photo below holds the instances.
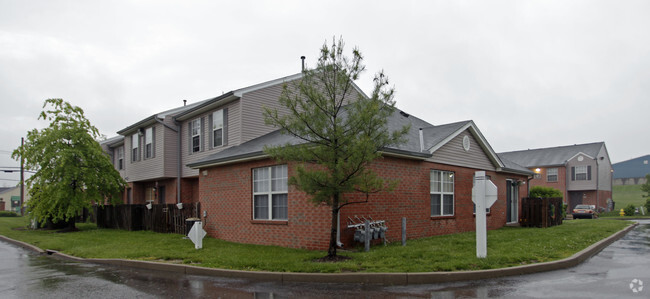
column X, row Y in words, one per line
column 189, row 190
column 560, row 184
column 226, row 195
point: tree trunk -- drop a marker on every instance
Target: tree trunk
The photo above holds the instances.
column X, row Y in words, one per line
column 331, row 251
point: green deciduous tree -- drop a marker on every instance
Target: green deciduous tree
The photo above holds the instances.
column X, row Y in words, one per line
column 72, row 170
column 342, row 131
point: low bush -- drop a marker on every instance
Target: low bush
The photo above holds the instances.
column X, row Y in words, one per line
column 629, row 210
column 545, row 192
column 8, row 214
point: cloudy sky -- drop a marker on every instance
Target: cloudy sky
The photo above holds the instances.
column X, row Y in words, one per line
column 531, row 74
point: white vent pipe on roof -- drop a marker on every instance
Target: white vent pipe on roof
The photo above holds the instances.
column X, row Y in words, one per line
column 421, row 140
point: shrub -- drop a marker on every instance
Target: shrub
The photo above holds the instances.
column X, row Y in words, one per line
column 8, row 214
column 647, row 204
column 545, row 192
column 629, row 210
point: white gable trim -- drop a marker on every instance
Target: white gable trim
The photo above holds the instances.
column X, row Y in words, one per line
column 487, row 149
column 577, row 154
column 242, row 91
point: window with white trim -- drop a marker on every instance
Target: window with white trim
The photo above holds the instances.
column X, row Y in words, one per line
column 135, row 147
column 148, row 143
column 551, row 175
column 270, row 193
column 581, row 173
column 217, row 128
column 442, row 193
column 195, row 129
column 120, row 158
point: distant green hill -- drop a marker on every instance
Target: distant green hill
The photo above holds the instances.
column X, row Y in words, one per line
column 627, row 194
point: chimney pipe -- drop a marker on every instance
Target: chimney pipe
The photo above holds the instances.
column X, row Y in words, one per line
column 184, row 102
column 303, row 62
column 421, row 140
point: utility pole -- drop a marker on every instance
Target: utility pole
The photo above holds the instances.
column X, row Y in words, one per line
column 22, row 176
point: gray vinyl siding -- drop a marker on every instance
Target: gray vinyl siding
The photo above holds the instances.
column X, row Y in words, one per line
column 146, row 169
column 170, row 149
column 252, row 119
column 233, row 126
column 453, row 153
column 604, row 170
column 581, row 185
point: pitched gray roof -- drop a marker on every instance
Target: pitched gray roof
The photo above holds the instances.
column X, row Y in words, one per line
column 433, row 136
column 552, row 156
column 633, row 168
column 255, row 147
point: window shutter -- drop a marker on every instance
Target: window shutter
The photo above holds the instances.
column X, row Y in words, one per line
column 201, row 139
column 224, row 133
column 189, row 137
column 210, row 132
column 139, row 147
column 573, row 173
column 589, row 173
column 153, row 142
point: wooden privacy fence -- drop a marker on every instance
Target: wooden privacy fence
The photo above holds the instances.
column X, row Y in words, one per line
column 541, row 212
column 161, row 218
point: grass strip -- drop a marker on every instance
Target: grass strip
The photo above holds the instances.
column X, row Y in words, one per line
column 507, row 247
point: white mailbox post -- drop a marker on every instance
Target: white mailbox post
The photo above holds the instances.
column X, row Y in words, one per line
column 197, row 234
column 484, row 194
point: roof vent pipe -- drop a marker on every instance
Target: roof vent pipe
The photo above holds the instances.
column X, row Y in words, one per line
column 184, row 102
column 421, row 141
column 303, row 62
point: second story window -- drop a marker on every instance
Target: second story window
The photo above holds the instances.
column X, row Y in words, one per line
column 195, row 132
column 135, row 147
column 148, row 143
column 551, row 175
column 120, row 158
column 581, row 173
column 217, row 128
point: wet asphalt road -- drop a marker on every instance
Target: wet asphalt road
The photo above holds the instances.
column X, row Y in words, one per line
column 610, row 274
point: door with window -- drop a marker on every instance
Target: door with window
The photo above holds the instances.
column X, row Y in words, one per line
column 512, row 201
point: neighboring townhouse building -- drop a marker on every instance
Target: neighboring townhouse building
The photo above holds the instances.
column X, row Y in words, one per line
column 582, row 172
column 632, row 172
column 246, row 197
column 152, row 154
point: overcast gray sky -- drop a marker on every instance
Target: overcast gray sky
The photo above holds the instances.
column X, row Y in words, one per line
column 531, row 74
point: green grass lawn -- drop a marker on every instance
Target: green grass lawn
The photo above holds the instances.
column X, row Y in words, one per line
column 628, row 194
column 508, row 246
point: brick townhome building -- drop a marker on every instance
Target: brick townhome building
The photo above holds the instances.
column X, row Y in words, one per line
column 247, row 199
column 582, row 172
column 212, row 152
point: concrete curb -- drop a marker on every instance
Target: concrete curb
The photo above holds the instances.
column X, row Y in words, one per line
column 360, row 278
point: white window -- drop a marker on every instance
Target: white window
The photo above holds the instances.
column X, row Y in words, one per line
column 120, row 158
column 270, row 193
column 148, row 143
column 217, row 128
column 551, row 175
column 442, row 193
column 581, row 173
column 195, row 130
column 135, row 147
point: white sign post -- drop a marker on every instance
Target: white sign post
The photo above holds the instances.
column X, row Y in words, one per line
column 197, row 234
column 484, row 194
